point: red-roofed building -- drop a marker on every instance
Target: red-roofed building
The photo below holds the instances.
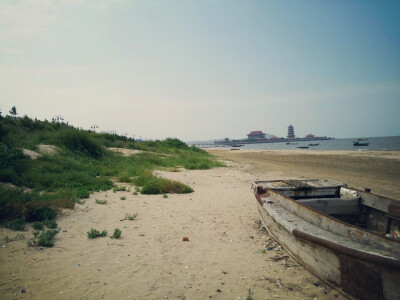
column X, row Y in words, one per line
column 256, row 135
column 310, row 135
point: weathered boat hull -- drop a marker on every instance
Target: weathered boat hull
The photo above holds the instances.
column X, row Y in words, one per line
column 359, row 272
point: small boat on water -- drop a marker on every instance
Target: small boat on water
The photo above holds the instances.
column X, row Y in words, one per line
column 361, row 142
column 317, row 144
column 347, row 237
column 303, row 147
column 237, row 145
column 288, row 143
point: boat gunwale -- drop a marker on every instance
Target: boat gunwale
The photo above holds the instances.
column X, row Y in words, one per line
column 256, row 192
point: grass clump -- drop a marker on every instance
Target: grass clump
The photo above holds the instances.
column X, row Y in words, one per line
column 131, row 217
column 124, row 178
column 121, row 188
column 16, row 224
column 101, row 201
column 50, row 224
column 122, row 198
column 44, row 238
column 117, row 233
column 153, row 185
column 37, row 225
column 17, row 237
column 93, row 233
column 165, row 196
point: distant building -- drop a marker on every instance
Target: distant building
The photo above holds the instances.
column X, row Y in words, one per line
column 254, row 135
column 290, row 132
column 310, row 135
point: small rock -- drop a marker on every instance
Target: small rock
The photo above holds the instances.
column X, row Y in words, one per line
column 219, row 291
column 186, row 239
column 252, row 237
column 23, row 291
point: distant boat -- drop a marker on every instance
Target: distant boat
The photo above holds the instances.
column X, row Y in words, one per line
column 313, row 144
column 361, row 142
column 291, row 143
column 237, row 145
column 303, row 147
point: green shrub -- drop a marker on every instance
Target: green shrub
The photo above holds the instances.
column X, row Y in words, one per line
column 37, row 225
column 50, row 224
column 151, row 188
column 93, row 233
column 46, row 238
column 122, row 198
column 117, row 233
column 41, row 214
column 101, row 201
column 16, row 224
column 165, row 196
column 157, row 185
column 124, row 178
column 80, row 141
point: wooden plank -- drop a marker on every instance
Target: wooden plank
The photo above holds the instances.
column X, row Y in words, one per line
column 333, row 206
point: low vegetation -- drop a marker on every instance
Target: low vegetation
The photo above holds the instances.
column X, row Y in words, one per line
column 17, row 237
column 101, row 201
column 117, row 233
column 44, row 238
column 93, row 233
column 35, row 189
column 131, row 217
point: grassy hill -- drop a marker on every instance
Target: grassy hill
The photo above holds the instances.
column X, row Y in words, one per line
column 33, row 187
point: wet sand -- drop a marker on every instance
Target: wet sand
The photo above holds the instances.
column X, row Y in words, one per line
column 226, row 254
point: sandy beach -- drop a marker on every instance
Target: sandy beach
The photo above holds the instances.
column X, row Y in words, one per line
column 226, row 253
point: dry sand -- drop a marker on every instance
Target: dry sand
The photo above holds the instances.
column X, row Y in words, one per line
column 225, row 255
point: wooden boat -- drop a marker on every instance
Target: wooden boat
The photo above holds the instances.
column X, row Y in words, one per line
column 317, row 144
column 361, row 142
column 343, row 235
column 302, row 147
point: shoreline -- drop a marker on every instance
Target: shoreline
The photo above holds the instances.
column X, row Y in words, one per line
column 226, row 254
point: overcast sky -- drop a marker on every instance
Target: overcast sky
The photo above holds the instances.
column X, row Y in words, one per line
column 200, row 70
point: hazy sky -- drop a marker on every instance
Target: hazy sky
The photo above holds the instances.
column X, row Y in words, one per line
column 200, row 70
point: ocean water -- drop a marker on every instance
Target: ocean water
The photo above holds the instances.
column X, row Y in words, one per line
column 391, row 143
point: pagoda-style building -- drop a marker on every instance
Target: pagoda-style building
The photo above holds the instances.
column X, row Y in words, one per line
column 290, row 132
column 254, row 135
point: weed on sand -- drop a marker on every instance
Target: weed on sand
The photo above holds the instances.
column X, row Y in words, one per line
column 93, row 233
